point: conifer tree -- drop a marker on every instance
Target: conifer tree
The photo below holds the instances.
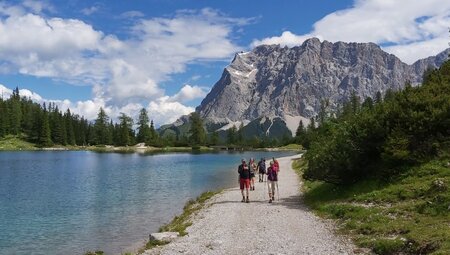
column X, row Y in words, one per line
column 240, row 135
column 125, row 129
column 153, row 134
column 4, row 120
column 15, row 113
column 68, row 122
column 44, row 138
column 300, row 129
column 214, row 138
column 231, row 135
column 197, row 130
column 101, row 135
column 144, row 134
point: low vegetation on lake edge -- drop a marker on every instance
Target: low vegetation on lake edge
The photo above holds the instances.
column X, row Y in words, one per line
column 408, row 214
column 16, row 143
column 178, row 224
column 182, row 221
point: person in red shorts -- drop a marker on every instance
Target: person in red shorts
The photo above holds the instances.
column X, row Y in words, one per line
column 244, row 180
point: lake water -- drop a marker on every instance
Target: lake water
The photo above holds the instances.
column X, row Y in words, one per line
column 74, row 201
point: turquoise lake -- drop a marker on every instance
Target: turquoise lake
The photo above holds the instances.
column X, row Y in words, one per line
column 71, row 202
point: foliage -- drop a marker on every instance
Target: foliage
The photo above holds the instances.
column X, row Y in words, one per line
column 405, row 215
column 197, row 131
column 181, row 222
column 45, row 125
column 407, row 127
column 11, row 142
column 144, row 134
column 94, row 253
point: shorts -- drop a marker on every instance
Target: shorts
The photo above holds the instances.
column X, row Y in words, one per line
column 244, row 183
column 252, row 175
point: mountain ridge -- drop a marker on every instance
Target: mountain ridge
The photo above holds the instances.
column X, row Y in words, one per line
column 290, row 83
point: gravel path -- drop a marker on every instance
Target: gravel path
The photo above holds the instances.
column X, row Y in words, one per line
column 286, row 226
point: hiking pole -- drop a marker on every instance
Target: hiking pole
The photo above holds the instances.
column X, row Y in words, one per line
column 267, row 191
column 278, row 191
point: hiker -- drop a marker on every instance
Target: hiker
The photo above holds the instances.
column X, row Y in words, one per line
column 252, row 168
column 272, row 179
column 276, row 164
column 244, row 180
column 262, row 169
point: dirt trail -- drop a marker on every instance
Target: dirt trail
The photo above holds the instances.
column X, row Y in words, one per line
column 286, row 226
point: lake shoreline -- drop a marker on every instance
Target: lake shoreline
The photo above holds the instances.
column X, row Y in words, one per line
column 18, row 144
column 109, row 192
column 142, row 150
column 204, row 231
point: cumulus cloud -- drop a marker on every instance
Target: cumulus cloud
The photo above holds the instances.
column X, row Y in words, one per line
column 164, row 110
column 188, row 93
column 38, row 6
column 122, row 72
column 412, row 29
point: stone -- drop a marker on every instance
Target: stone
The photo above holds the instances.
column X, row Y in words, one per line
column 439, row 185
column 164, row 236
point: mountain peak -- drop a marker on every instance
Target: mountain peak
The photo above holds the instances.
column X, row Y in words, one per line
column 274, row 81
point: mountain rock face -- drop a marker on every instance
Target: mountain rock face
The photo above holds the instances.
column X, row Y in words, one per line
column 290, row 83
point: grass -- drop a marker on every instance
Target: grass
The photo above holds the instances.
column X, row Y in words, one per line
column 292, row 146
column 181, row 222
column 409, row 214
column 14, row 143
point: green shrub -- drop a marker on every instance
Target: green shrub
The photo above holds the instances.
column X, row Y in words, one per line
column 408, row 127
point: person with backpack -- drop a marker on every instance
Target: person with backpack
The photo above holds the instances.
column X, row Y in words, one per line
column 262, row 169
column 244, row 179
column 252, row 168
column 272, row 180
column 276, row 164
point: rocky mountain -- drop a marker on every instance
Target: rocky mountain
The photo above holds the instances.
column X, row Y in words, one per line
column 288, row 84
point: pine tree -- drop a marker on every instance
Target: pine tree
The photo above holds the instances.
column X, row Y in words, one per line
column 197, row 130
column 125, row 129
column 4, row 120
column 153, row 135
column 15, row 114
column 57, row 127
column 240, row 134
column 231, row 135
column 300, row 129
column 144, row 133
column 68, row 122
column 44, row 139
column 214, row 138
column 101, row 135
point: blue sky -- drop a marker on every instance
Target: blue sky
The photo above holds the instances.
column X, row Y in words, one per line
column 165, row 55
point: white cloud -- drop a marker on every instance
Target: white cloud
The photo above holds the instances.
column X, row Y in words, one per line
column 164, row 111
column 286, row 38
column 188, row 93
column 37, row 6
column 417, row 27
column 132, row 15
column 5, row 93
column 91, row 10
column 121, row 72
